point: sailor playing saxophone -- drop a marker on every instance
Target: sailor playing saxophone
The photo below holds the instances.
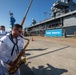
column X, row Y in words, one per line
column 10, row 46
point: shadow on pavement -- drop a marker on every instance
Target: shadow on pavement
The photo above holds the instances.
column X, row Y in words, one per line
column 49, row 70
column 48, row 52
column 25, row 70
column 39, row 49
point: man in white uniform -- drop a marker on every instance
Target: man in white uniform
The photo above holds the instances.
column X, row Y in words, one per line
column 2, row 31
column 10, row 46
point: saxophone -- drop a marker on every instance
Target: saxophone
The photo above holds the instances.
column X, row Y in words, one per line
column 18, row 61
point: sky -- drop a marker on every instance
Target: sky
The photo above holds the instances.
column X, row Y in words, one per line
column 18, row 8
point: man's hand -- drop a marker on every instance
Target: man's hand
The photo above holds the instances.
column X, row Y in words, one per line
column 12, row 64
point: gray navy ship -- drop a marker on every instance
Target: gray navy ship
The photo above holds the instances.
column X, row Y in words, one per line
column 61, row 23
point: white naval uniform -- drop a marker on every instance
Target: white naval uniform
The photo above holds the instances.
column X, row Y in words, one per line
column 6, row 46
column 2, row 33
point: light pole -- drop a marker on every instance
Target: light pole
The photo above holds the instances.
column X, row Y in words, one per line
column 12, row 19
column 45, row 19
column 45, row 14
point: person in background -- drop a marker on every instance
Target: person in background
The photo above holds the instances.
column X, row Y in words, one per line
column 10, row 46
column 2, row 31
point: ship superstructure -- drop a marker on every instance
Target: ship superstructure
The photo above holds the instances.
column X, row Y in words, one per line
column 61, row 7
column 62, row 21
